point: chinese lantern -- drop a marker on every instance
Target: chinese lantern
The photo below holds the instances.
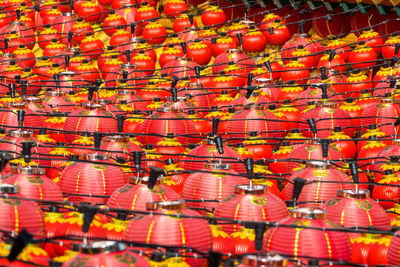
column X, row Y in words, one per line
column 372, row 39
column 221, row 240
column 96, row 119
column 276, row 33
column 254, row 41
column 139, row 191
column 295, row 71
column 221, row 44
column 104, row 253
column 18, row 214
column 144, row 14
column 387, row 192
column 340, row 48
column 90, row 11
column 91, row 178
column 34, row 184
column 253, row 118
column 154, row 33
column 317, row 190
column 199, row 52
column 383, row 114
column 171, row 228
column 232, row 55
column 301, row 242
column 167, row 120
column 259, row 148
column 368, row 152
column 213, row 16
column 389, row 47
column 277, row 163
column 362, row 56
column 111, row 23
column 250, row 203
column 312, row 151
column 91, row 46
column 348, row 148
column 327, row 24
column 356, row 83
column 80, row 29
column 306, row 41
column 214, row 181
column 378, row 252
column 182, row 22
column 352, row 208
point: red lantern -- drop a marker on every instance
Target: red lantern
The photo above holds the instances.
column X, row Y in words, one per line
column 352, row 208
column 360, row 21
column 214, row 181
column 254, row 41
column 329, row 27
column 386, row 192
column 96, row 119
column 299, row 242
column 368, row 152
column 171, row 229
column 182, row 22
column 232, row 55
column 91, row 46
column 276, row 33
column 253, row 119
column 362, row 57
column 34, row 184
column 154, row 33
column 384, row 113
column 317, row 190
column 309, row 43
column 389, row 47
column 278, row 163
column 80, row 29
column 174, row 8
column 94, row 178
column 340, row 47
column 135, row 194
column 295, row 71
column 348, row 148
column 161, row 124
column 199, row 52
column 221, row 240
column 251, row 203
column 372, row 39
column 19, row 214
column 90, row 11
column 312, row 151
column 361, row 247
column 243, row 241
column 213, row 16
column 111, row 23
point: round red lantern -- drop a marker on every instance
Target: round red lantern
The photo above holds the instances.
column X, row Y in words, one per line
column 214, row 181
column 307, row 242
column 250, row 203
column 362, row 57
column 171, row 227
column 100, row 177
column 213, row 16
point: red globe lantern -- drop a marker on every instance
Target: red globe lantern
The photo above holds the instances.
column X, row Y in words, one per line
column 378, row 252
column 387, row 192
column 251, row 203
column 80, row 29
column 182, row 22
column 340, row 47
column 144, row 14
column 253, row 119
column 339, row 138
column 135, row 194
column 360, row 21
column 94, row 178
column 171, row 228
column 199, row 52
column 372, row 39
column 232, row 55
column 91, row 46
column 336, row 63
column 329, row 27
column 106, row 252
column 361, row 247
column 352, row 208
column 307, row 242
column 213, row 16
column 384, row 113
column 173, row 8
column 18, row 214
column 168, row 120
column 389, row 47
column 214, row 181
column 362, row 57
column 90, row 11
column 254, row 41
column 312, row 151
column 111, row 23
column 327, row 115
column 278, row 164
column 243, row 241
column 318, row 190
column 221, row 240
column 309, row 43
column 295, row 71
column 368, row 152
column 276, row 33
column 154, row 33
column 34, row 184
column 303, row 56
column 96, row 119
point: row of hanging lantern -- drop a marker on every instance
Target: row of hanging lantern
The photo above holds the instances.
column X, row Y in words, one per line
column 232, row 117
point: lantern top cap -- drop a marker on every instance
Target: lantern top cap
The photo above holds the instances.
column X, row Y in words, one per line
column 93, row 106
column 9, row 189
column 217, row 166
column 255, row 189
column 27, row 170
column 17, row 105
column 308, row 213
column 95, row 157
column 264, row 260
column 117, row 138
column 20, row 133
column 167, row 205
column 67, row 73
column 102, row 247
column 350, row 193
column 318, row 164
